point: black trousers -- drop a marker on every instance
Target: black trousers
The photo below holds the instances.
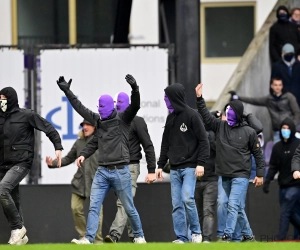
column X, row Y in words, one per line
column 9, row 194
column 206, row 194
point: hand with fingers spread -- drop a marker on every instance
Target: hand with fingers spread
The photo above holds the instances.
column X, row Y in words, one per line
column 150, row 178
column 49, row 161
column 159, row 175
column 58, row 157
column 199, row 171
column 258, row 181
column 132, row 82
column 198, row 90
column 80, row 160
column 62, row 84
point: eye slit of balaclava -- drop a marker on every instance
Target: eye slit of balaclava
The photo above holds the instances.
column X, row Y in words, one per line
column 105, row 106
column 168, row 104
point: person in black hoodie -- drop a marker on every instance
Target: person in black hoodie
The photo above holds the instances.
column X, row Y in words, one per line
column 16, row 156
column 138, row 136
column 289, row 188
column 186, row 145
column 235, row 141
column 282, row 32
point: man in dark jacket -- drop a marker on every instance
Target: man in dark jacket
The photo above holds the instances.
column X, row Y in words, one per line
column 235, row 142
column 112, row 142
column 186, row 145
column 138, row 136
column 82, row 181
column 282, row 32
column 280, row 104
column 288, row 70
column 289, row 188
column 16, row 156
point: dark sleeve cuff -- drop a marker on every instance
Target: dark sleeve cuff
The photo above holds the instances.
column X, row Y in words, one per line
column 58, row 146
column 200, row 163
column 260, row 173
column 160, row 166
column 199, row 98
column 151, row 170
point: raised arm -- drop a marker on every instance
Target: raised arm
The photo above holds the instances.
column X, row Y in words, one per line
column 254, row 123
column 131, row 111
column 258, row 101
column 76, row 104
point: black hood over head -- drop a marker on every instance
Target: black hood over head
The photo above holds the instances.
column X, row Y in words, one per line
column 238, row 108
column 176, row 94
column 288, row 121
column 282, row 7
column 12, row 98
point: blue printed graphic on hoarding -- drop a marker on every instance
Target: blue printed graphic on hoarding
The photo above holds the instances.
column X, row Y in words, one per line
column 70, row 133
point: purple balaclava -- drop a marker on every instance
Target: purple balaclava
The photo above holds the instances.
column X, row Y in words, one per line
column 230, row 116
column 106, row 106
column 168, row 103
column 122, row 102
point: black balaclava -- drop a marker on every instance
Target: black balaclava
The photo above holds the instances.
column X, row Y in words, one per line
column 12, row 98
column 283, row 17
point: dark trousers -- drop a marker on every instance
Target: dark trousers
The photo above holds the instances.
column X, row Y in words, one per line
column 9, row 194
column 206, row 194
column 288, row 199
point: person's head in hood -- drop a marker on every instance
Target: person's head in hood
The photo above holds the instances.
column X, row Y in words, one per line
column 122, row 102
column 87, row 128
column 276, row 86
column 234, row 112
column 288, row 54
column 174, row 97
column 288, row 130
column 105, row 106
column 282, row 14
column 8, row 99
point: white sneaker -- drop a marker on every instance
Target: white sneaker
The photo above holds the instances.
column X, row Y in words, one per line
column 178, row 241
column 23, row 241
column 81, row 241
column 206, row 241
column 139, row 240
column 17, row 235
column 196, row 238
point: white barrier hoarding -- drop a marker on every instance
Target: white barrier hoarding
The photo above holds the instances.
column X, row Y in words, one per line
column 96, row 72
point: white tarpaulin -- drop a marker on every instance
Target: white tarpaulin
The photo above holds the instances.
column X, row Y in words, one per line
column 96, row 72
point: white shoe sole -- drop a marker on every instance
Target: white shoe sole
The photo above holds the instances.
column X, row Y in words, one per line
column 22, row 241
column 78, row 242
column 22, row 234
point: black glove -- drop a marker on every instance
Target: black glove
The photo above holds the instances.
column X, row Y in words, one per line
column 266, row 186
column 233, row 94
column 217, row 114
column 130, row 79
column 62, row 84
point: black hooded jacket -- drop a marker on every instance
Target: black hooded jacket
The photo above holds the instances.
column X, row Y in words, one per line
column 282, row 32
column 234, row 145
column 281, row 158
column 184, row 140
column 17, row 132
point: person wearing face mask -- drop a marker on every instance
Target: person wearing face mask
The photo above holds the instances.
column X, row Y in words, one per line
column 111, row 140
column 16, row 156
column 289, row 188
column 288, row 70
column 185, row 144
column 280, row 104
column 235, row 142
column 82, row 181
column 138, row 136
column 282, row 32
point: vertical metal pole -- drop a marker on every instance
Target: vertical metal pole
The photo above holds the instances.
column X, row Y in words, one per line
column 14, row 22
column 72, row 22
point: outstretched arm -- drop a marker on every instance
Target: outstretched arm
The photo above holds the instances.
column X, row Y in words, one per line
column 65, row 161
column 76, row 104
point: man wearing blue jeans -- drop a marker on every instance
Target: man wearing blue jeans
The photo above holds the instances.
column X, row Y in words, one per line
column 185, row 144
column 111, row 141
column 235, row 141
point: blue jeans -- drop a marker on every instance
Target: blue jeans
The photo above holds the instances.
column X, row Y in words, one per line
column 236, row 191
column 288, row 199
column 222, row 203
column 183, row 183
column 120, row 181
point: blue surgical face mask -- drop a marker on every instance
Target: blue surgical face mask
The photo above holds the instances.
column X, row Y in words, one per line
column 286, row 133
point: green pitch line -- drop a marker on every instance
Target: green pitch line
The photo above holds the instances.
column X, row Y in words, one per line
column 158, row 246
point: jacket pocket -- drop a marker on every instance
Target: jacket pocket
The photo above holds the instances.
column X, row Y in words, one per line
column 18, row 153
column 178, row 154
column 77, row 181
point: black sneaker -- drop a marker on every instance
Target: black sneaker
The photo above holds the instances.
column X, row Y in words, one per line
column 226, row 238
column 110, row 239
column 248, row 238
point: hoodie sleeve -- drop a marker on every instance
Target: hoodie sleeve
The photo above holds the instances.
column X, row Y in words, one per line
column 87, row 114
column 131, row 111
column 254, row 123
column 274, row 163
column 296, row 160
column 257, row 153
column 202, row 137
column 212, row 122
column 145, row 140
column 295, row 108
column 42, row 124
column 163, row 158
column 259, row 101
column 69, row 158
column 90, row 148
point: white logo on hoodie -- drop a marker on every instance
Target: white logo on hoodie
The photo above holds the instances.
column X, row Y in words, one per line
column 183, row 128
